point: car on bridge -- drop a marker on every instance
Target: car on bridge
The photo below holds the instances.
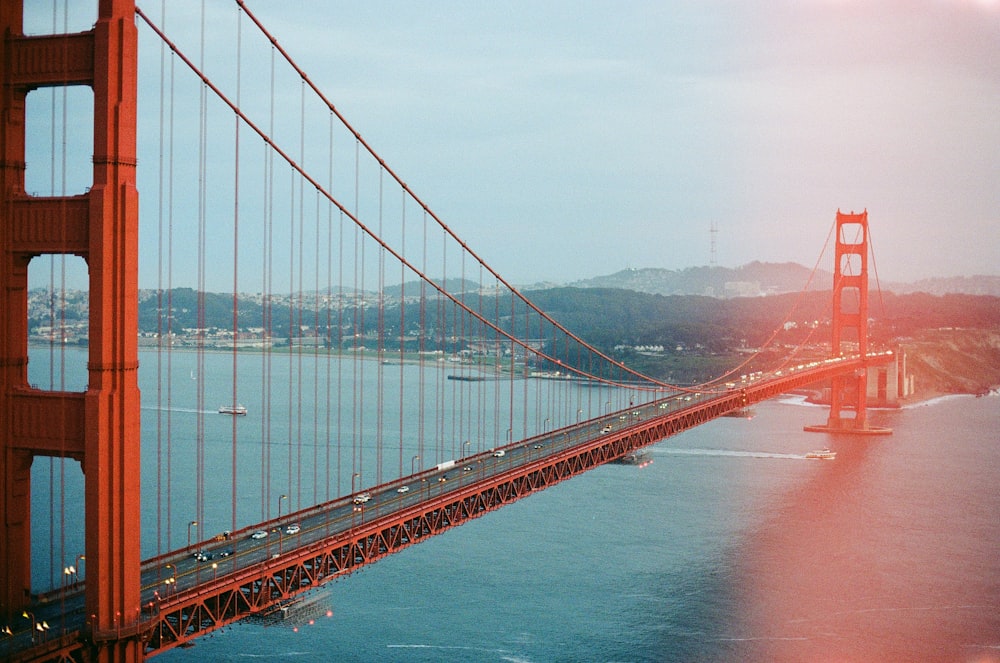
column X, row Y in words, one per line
column 294, row 528
column 361, row 498
column 403, row 489
column 202, row 556
column 259, row 534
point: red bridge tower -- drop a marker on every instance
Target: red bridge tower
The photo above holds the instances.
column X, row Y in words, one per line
column 850, row 327
column 99, row 427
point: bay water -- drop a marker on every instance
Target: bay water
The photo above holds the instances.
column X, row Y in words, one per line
column 730, row 546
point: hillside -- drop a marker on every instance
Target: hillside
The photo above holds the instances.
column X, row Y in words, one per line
column 759, row 278
column 753, row 279
column 954, row 361
column 952, row 339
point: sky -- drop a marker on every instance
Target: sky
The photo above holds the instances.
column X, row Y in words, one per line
column 566, row 140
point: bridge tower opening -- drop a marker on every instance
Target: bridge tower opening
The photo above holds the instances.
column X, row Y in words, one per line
column 850, row 328
column 100, row 426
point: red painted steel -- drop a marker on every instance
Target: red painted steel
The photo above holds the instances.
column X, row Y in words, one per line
column 850, row 327
column 101, row 426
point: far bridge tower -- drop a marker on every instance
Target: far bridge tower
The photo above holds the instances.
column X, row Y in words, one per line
column 850, row 327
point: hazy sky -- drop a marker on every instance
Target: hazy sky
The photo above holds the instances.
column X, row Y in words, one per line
column 564, row 140
column 569, row 139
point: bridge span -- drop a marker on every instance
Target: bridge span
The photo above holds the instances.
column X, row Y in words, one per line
column 193, row 591
column 347, row 264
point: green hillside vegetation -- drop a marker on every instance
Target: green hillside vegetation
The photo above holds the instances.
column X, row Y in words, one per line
column 952, row 337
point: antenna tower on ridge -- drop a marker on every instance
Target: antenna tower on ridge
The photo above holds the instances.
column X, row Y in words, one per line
column 713, row 231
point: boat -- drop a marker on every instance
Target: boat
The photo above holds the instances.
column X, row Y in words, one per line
column 637, row 457
column 822, row 454
column 235, row 410
column 467, row 378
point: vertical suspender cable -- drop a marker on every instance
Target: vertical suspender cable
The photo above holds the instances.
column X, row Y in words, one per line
column 402, row 329
column 341, row 298
column 329, row 333
column 300, row 299
column 202, row 198
column 380, row 343
column 159, row 302
column 422, row 345
column 268, row 308
column 170, row 300
column 236, row 256
column 292, row 307
column 357, row 341
column 317, row 304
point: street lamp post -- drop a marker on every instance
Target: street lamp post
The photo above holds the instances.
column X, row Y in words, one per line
column 79, row 558
column 67, row 572
column 281, row 530
column 193, row 523
column 36, row 626
column 465, row 448
column 413, row 464
column 171, row 581
column 30, row 615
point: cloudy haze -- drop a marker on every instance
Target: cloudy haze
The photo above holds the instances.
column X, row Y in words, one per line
column 563, row 140
column 566, row 139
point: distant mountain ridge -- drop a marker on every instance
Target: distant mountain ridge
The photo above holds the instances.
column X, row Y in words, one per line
column 759, row 278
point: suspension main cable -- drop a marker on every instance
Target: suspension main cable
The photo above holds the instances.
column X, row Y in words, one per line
column 419, row 201
column 656, row 384
column 777, row 330
column 878, row 284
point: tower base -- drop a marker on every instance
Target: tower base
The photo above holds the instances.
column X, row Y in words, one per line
column 847, row 427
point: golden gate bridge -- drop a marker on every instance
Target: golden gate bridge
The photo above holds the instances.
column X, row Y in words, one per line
column 376, row 381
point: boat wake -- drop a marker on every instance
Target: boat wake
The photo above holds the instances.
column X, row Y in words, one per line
column 728, row 453
column 186, row 410
column 798, row 399
column 450, row 647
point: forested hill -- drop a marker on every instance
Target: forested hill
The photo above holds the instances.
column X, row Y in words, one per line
column 608, row 317
column 761, row 278
column 693, row 336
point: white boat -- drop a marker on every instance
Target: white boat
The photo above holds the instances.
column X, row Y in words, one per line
column 822, row 454
column 236, row 410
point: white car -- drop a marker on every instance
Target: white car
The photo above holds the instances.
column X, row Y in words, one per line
column 259, row 534
column 403, row 489
column 294, row 528
column 361, row 498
